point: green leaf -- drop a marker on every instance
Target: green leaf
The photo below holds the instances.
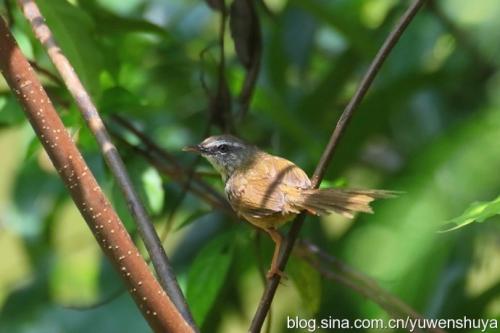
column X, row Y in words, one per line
column 337, row 183
column 207, row 275
column 73, row 30
column 307, row 280
column 477, row 212
column 34, row 147
column 111, row 23
column 10, row 111
column 120, row 99
column 153, row 188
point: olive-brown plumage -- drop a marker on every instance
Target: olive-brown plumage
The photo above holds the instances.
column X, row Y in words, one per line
column 268, row 190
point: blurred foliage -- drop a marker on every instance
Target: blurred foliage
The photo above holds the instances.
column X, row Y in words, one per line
column 477, row 212
column 429, row 127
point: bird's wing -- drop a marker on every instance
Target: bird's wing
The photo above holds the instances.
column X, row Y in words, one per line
column 266, row 187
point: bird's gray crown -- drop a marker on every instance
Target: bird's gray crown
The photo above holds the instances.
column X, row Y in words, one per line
column 219, row 140
column 226, row 153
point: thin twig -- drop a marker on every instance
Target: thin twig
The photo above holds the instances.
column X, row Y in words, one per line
column 47, row 73
column 109, row 231
column 154, row 151
column 205, row 192
column 390, row 42
column 96, row 125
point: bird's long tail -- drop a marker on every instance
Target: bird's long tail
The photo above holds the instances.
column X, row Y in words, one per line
column 345, row 202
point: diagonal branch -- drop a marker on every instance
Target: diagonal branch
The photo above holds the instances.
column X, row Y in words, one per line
column 389, row 43
column 156, row 307
column 113, row 159
column 158, row 157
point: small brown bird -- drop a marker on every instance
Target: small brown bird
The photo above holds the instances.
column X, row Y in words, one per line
column 268, row 190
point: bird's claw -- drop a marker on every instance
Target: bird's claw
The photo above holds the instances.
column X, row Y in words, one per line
column 275, row 271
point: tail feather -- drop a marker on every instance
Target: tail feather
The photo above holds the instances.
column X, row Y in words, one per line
column 345, row 202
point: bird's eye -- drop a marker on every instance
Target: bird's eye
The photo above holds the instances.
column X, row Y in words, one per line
column 223, row 148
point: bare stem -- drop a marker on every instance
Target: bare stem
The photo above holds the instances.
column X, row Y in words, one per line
column 109, row 231
column 113, row 159
column 389, row 43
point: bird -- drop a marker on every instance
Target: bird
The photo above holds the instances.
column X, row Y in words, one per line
column 268, row 190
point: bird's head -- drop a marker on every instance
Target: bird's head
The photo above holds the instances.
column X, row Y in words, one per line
column 226, row 153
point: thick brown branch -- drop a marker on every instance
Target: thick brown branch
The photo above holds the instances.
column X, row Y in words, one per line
column 390, row 42
column 155, row 305
column 113, row 159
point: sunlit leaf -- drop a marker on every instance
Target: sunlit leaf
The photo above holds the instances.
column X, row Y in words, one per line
column 476, row 212
column 339, row 183
column 153, row 187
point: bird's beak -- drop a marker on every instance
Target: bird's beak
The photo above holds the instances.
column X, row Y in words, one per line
column 193, row 149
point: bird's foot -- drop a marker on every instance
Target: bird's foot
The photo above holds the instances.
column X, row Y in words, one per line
column 275, row 271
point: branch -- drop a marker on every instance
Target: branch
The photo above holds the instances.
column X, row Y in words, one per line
column 96, row 125
column 216, row 201
column 54, row 78
column 156, row 307
column 157, row 156
column 389, row 43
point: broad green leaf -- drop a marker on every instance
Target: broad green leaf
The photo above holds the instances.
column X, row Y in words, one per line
column 73, row 30
column 308, row 283
column 153, row 188
column 207, row 274
column 477, row 212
